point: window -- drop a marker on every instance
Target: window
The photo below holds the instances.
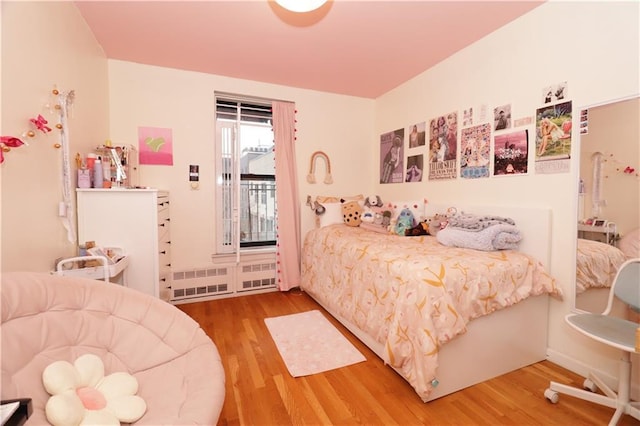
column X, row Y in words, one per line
column 245, row 174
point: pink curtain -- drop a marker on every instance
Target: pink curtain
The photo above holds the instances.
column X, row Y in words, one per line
column 287, row 199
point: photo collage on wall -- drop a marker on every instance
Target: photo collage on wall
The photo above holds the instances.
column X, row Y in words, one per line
column 492, row 142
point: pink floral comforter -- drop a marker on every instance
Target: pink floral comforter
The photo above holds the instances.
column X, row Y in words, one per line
column 412, row 294
column 596, row 264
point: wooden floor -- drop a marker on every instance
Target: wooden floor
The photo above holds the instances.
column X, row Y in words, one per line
column 260, row 390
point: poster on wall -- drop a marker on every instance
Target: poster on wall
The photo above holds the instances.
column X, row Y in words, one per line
column 391, row 157
column 475, row 146
column 553, row 138
column 555, row 92
column 155, row 146
column 415, row 166
column 416, row 135
column 511, row 153
column 443, row 146
column 502, row 117
column 467, row 117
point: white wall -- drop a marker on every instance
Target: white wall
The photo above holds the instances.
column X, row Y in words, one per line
column 594, row 46
column 142, row 95
column 44, row 44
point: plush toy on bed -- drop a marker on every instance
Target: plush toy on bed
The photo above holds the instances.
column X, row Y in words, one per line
column 405, row 221
column 374, row 202
column 422, row 228
column 385, row 218
column 351, row 213
column 368, row 216
column 372, row 207
column 436, row 223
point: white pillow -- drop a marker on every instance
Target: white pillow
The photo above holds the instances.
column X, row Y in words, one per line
column 331, row 215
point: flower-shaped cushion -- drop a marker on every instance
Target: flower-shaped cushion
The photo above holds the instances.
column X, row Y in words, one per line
column 82, row 395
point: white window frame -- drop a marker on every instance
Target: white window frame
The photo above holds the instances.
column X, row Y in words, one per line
column 228, row 174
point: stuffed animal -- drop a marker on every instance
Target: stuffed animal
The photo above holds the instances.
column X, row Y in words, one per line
column 436, row 223
column 373, row 201
column 405, row 221
column 316, row 207
column 351, row 213
column 368, row 215
column 386, row 218
column 422, row 228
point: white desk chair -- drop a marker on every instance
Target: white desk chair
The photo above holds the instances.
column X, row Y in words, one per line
column 616, row 332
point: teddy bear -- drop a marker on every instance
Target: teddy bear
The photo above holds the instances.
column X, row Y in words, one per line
column 351, row 212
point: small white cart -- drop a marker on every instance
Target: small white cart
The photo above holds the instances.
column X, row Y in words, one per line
column 106, row 271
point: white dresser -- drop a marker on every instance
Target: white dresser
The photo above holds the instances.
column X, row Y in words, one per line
column 136, row 220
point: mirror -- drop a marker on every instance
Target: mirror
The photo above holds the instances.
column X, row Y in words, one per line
column 608, row 198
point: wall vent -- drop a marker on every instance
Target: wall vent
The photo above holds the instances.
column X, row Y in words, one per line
column 259, row 275
column 256, row 272
column 201, row 282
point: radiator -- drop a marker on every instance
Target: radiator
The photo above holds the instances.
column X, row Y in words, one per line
column 254, row 273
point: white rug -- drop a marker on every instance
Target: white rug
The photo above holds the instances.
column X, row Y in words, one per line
column 310, row 344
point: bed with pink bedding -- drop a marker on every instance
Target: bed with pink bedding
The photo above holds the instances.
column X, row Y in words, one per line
column 411, row 298
column 596, row 264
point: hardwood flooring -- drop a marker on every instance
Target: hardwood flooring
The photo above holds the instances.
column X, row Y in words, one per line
column 260, row 390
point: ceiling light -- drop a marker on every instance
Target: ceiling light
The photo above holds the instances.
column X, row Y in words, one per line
column 301, row 5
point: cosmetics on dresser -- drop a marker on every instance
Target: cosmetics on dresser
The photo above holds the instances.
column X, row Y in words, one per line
column 97, row 173
column 84, row 178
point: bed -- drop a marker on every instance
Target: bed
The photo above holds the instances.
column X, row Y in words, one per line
column 596, row 266
column 443, row 317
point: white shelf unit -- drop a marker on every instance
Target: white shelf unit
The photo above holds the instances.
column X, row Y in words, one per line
column 138, row 221
column 607, row 233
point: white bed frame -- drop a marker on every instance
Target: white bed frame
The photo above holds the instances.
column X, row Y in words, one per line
column 504, row 341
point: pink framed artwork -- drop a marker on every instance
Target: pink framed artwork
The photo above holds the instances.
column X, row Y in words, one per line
column 155, row 146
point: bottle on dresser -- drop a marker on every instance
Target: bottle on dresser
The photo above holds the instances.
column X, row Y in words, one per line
column 97, row 173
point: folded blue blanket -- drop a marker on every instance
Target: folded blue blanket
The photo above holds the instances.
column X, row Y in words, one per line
column 495, row 237
column 471, row 222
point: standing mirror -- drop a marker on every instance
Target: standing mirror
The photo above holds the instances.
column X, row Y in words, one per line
column 608, row 198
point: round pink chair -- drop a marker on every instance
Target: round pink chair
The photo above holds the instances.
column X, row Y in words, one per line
column 46, row 318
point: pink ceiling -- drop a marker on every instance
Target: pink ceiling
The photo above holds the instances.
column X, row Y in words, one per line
column 353, row 47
